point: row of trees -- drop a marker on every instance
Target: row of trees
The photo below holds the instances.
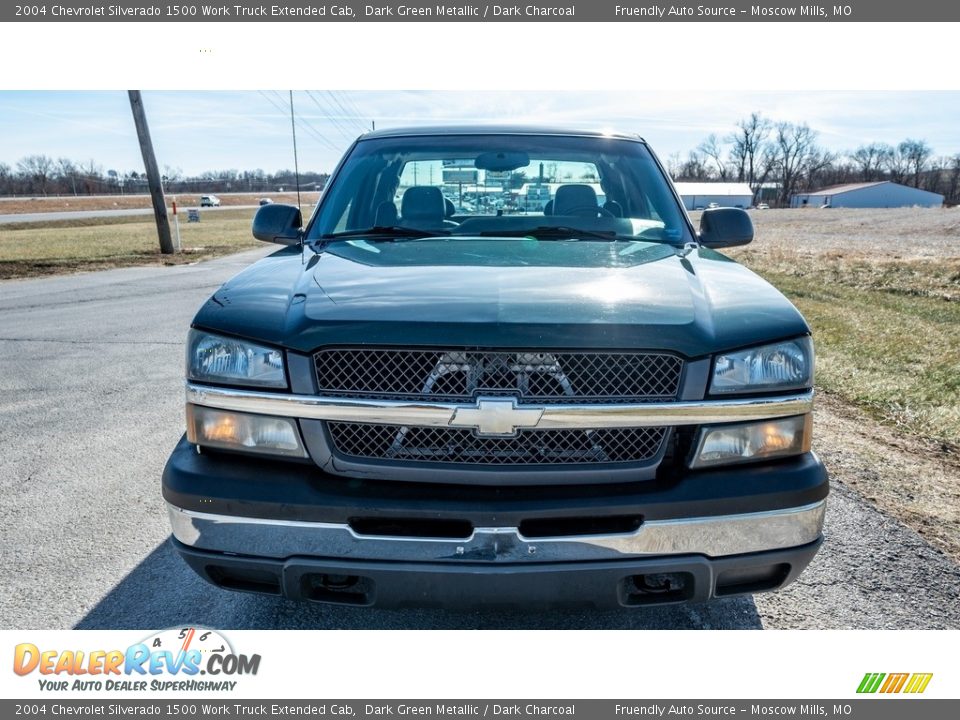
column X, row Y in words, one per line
column 782, row 159
column 40, row 175
column 777, row 160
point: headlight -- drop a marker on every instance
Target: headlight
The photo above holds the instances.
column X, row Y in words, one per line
column 242, row 431
column 728, row 444
column 780, row 366
column 212, row 358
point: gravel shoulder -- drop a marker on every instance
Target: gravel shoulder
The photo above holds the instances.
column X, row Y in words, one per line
column 914, row 480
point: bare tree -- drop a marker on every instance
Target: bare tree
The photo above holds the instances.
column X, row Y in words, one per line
column 710, row 148
column 953, row 180
column 67, row 174
column 38, row 170
column 933, row 177
column 915, row 154
column 837, row 173
column 896, row 165
column 820, row 171
column 796, row 157
column 91, row 176
column 694, row 168
column 673, row 165
column 748, row 150
column 870, row 160
column 172, row 174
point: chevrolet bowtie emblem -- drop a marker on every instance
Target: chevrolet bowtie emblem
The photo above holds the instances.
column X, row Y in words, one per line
column 491, row 417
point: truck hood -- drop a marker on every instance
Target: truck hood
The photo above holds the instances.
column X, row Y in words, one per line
column 509, row 292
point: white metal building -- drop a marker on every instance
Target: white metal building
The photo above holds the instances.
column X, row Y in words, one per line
column 884, row 194
column 699, row 195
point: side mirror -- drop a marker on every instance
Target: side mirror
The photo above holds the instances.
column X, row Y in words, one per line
column 725, row 227
column 278, row 223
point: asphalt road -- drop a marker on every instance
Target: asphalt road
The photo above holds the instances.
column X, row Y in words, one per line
column 83, row 214
column 91, row 402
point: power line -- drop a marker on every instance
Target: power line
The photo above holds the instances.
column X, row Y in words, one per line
column 348, row 114
column 326, row 114
column 343, row 114
column 270, row 100
column 306, row 127
column 361, row 117
column 320, row 136
column 347, row 134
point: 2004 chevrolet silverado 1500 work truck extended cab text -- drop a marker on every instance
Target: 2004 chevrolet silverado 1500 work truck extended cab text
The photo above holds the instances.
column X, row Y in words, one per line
column 498, row 366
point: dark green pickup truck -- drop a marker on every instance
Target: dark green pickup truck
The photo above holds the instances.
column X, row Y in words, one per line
column 498, row 366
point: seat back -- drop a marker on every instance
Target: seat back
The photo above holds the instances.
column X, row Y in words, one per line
column 614, row 208
column 386, row 214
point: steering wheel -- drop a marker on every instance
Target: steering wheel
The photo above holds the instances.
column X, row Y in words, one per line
column 589, row 210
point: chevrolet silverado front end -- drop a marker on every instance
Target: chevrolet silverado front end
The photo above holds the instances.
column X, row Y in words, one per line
column 498, row 366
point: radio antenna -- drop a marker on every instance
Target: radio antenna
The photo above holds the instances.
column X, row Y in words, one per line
column 296, row 164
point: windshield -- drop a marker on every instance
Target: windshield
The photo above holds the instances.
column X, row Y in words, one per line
column 550, row 187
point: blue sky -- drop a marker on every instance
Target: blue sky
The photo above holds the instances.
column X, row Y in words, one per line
column 207, row 130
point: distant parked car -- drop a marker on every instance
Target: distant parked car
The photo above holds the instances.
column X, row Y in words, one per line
column 265, row 201
column 209, row 201
column 711, row 206
column 763, row 206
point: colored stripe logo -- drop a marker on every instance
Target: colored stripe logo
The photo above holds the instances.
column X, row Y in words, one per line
column 913, row 683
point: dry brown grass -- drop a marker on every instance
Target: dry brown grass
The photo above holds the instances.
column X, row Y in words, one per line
column 60, row 247
column 896, row 233
column 881, row 289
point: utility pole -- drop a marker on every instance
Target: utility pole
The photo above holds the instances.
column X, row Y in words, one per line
column 296, row 163
column 153, row 173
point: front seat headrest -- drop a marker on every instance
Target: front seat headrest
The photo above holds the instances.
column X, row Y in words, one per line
column 575, row 200
column 423, row 204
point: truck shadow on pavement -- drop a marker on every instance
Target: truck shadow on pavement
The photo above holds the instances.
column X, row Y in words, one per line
column 163, row 592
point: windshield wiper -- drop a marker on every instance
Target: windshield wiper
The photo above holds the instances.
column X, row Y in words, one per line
column 556, row 232
column 384, row 232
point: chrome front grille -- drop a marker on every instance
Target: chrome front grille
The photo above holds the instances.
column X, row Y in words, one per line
column 532, row 377
column 528, row 447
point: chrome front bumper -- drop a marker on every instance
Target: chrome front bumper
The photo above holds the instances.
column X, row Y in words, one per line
column 714, row 537
column 551, row 417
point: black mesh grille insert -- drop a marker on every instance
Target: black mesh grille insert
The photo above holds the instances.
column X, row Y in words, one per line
column 528, row 447
column 542, row 377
